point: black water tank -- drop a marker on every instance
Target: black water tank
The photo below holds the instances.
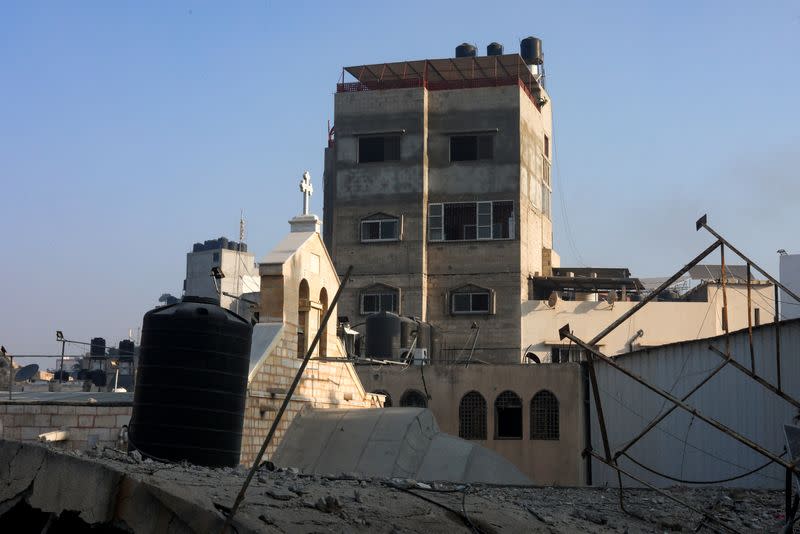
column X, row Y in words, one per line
column 97, row 347
column 531, row 51
column 126, row 347
column 494, row 49
column 191, row 383
column 466, row 50
column 383, row 335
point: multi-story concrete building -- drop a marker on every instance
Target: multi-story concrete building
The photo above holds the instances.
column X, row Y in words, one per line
column 240, row 272
column 437, row 191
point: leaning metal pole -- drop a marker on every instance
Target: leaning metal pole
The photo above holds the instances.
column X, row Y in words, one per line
column 286, row 400
column 565, row 333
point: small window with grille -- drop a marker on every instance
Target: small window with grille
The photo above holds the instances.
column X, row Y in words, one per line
column 472, row 416
column 380, row 227
column 508, row 416
column 544, row 416
column 413, row 399
column 379, row 298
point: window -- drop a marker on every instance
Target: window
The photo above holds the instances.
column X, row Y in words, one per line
column 388, row 402
column 471, row 147
column 471, row 300
column 508, row 416
column 546, row 146
column 413, row 399
column 380, row 228
column 546, row 187
column 544, row 416
column 566, row 353
column 380, row 298
column 472, row 416
column 466, row 221
column 375, row 148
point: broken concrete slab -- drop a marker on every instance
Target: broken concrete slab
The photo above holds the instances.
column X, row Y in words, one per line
column 397, row 442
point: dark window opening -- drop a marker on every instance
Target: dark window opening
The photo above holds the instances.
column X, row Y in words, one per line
column 471, row 147
column 546, row 146
column 471, row 302
column 413, row 399
column 465, row 221
column 757, row 316
column 472, row 416
column 544, row 416
column 380, row 230
column 378, row 301
column 373, row 149
column 566, row 354
column 508, row 416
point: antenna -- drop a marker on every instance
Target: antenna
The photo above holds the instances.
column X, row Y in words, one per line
column 552, row 300
column 27, row 372
column 242, row 226
column 611, row 298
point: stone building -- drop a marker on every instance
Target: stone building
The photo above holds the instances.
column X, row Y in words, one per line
column 437, row 191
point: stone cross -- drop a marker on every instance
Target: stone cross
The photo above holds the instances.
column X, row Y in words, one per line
column 307, row 189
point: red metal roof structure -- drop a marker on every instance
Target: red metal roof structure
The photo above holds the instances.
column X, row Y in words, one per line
column 442, row 74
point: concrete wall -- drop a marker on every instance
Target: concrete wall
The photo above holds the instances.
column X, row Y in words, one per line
column 98, row 424
column 545, row 462
column 241, row 276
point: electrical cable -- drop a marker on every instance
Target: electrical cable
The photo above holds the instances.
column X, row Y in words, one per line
column 700, row 482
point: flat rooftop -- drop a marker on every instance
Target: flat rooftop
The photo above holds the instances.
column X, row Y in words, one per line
column 442, row 74
column 88, row 398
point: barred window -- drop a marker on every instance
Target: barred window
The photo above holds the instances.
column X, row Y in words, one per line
column 388, row 402
column 508, row 416
column 544, row 416
column 472, row 416
column 413, row 399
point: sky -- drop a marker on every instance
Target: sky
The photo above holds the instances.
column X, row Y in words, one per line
column 130, row 130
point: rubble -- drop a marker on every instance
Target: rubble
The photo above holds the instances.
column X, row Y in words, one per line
column 112, row 490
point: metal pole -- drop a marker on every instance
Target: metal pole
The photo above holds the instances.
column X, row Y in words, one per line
column 661, row 491
column 723, row 275
column 750, row 321
column 287, row 398
column 757, row 378
column 702, row 222
column 624, row 317
column 10, row 375
column 777, row 340
column 564, row 332
column 61, row 375
column 663, row 416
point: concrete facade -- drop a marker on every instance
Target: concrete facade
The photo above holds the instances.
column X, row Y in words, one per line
column 421, row 270
column 551, row 461
column 241, row 277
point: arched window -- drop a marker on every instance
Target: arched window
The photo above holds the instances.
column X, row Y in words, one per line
column 472, row 416
column 544, row 416
column 413, row 399
column 323, row 340
column 388, row 402
column 303, row 306
column 508, row 416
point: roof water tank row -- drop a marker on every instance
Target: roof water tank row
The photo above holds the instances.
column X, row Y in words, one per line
column 219, row 243
column 389, row 336
column 530, row 49
column 97, row 347
column 191, row 383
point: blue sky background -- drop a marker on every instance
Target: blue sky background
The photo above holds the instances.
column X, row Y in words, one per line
column 128, row 131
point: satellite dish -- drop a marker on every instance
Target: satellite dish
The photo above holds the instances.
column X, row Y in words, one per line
column 611, row 298
column 98, row 377
column 552, row 300
column 27, row 372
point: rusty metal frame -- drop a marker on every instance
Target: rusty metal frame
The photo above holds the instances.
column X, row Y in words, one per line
column 592, row 353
